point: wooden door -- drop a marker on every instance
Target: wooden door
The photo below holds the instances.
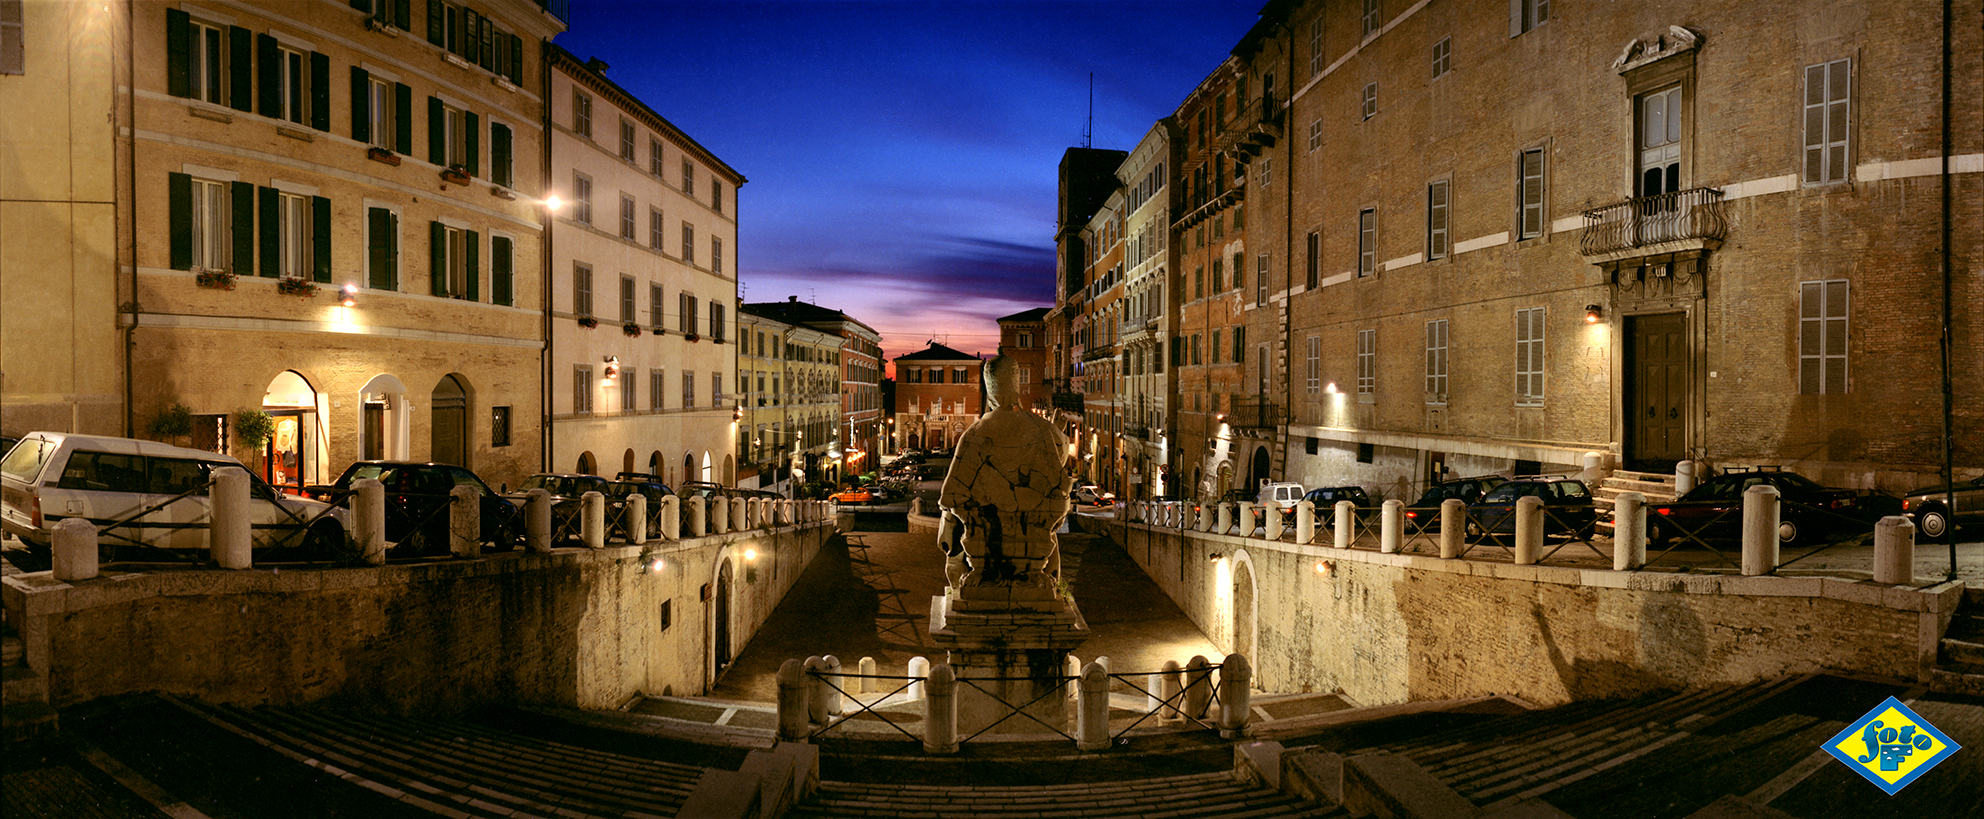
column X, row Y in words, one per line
column 1657, row 392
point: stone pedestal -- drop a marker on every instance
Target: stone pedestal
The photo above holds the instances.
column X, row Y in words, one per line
column 1012, row 642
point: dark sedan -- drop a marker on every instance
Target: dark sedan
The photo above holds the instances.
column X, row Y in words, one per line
column 1423, row 515
column 1567, row 507
column 1713, row 510
column 568, row 491
column 1940, row 510
column 1325, row 498
column 417, row 498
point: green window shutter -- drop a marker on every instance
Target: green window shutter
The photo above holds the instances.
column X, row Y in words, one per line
column 437, row 23
column 402, row 14
column 320, row 92
column 516, row 60
column 499, row 270
column 500, row 171
column 362, row 5
column 470, row 38
column 381, row 248
column 474, row 148
column 240, row 81
column 361, row 109
column 437, row 133
column 271, row 233
column 437, row 254
column 320, row 237
column 403, row 119
column 179, row 198
column 243, row 196
column 472, row 261
column 178, row 56
column 268, row 61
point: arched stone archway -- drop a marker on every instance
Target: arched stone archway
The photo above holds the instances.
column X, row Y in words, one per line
column 656, row 466
column 1244, row 599
column 729, row 470
column 709, row 468
column 688, row 467
column 627, row 460
column 1258, row 467
column 383, row 420
column 587, row 465
column 448, row 435
column 720, row 617
column 294, row 454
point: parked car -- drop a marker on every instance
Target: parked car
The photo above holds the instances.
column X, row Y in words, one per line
column 1326, row 497
column 628, row 484
column 1284, row 495
column 1939, row 511
column 145, row 496
column 1713, row 510
column 1567, row 508
column 852, row 495
column 568, row 490
column 1423, row 515
column 7, row 443
column 1091, row 495
column 417, row 498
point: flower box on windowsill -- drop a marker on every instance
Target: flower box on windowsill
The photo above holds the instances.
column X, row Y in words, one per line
column 214, row 279
column 455, row 174
column 377, row 154
column 660, row 330
column 693, row 337
column 631, row 329
column 588, row 322
column 501, row 192
column 296, row 287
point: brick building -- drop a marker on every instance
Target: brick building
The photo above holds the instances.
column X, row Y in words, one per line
column 939, row 394
column 1023, row 338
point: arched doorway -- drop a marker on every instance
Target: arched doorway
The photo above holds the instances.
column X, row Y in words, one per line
column 709, row 468
column 656, row 467
column 449, row 410
column 688, row 466
column 720, row 640
column 383, row 420
column 588, row 465
column 1257, row 469
column 1243, row 611
column 292, row 456
column 729, row 470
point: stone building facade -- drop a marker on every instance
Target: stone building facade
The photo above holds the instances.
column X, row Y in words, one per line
column 643, row 356
column 1096, row 332
column 939, row 393
column 1023, row 338
column 1144, row 317
column 855, row 434
column 786, row 376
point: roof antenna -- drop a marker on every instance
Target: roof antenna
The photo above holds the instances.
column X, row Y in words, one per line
column 1088, row 126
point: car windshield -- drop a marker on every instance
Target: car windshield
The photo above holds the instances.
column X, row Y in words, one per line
column 1570, row 489
column 25, row 460
column 1510, row 491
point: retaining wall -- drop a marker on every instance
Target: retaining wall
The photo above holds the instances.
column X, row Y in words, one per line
column 1387, row 628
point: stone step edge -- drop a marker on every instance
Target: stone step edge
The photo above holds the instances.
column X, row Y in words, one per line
column 1298, row 726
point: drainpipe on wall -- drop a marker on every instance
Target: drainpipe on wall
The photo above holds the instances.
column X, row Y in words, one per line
column 544, row 265
column 1949, row 398
column 129, row 211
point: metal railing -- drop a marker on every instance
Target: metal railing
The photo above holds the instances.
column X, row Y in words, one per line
column 1173, row 706
column 1693, row 214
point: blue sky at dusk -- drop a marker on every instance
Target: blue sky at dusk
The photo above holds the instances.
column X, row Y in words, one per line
column 902, row 155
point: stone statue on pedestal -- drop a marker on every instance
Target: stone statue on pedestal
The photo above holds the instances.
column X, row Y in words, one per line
column 1007, row 491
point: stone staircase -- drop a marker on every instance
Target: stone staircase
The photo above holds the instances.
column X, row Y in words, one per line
column 1216, row 794
column 24, row 709
column 1960, row 657
column 1657, row 487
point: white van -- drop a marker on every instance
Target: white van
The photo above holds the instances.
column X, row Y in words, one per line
column 1284, row 495
column 145, row 495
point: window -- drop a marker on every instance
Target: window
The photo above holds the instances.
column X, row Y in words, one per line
column 1261, row 280
column 292, row 85
column 654, row 157
column 1239, row 345
column 1314, row 247
column 1443, row 57
column 1314, row 374
column 656, row 379
column 716, row 196
column 451, row 136
column 502, row 255
column 295, row 252
column 1199, row 281
column 685, row 305
column 502, row 161
column 1370, row 100
column 1436, row 361
column 582, row 196
column 1025, row 340
column 717, row 320
column 1828, row 88
column 716, row 254
column 1367, row 362
column 1316, row 46
column 1372, row 17
column 688, row 177
column 582, row 113
column 626, row 217
column 654, row 229
column 654, row 305
column 1529, row 194
column 499, row 426
column 626, row 140
column 1195, row 348
column 1367, row 242
column 1660, row 142
column 1437, row 219
column 688, row 390
column 716, row 389
column 212, row 224
column 1214, row 347
column 626, row 299
column 1529, row 357
column 1822, row 337
column 1315, row 134
column 382, row 249
column 688, row 243
column 373, row 121
column 1267, row 171
column 581, row 290
column 630, row 392
column 454, row 254
column 1525, row 15
column 13, row 51
column 581, row 389
column 206, row 64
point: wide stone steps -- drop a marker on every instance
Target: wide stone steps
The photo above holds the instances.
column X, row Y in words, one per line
column 455, row 768
column 1210, row 795
column 1960, row 655
column 1657, row 487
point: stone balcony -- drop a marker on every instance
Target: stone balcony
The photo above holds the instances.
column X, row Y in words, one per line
column 1683, row 222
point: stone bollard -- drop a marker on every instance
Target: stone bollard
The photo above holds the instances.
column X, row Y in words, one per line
column 1072, row 667
column 231, row 541
column 1271, row 527
column 1760, row 521
column 1198, row 686
column 1243, row 519
column 1391, row 526
column 1092, row 709
column 940, row 712
column 867, row 668
column 816, row 690
column 699, row 524
column 671, row 518
column 835, row 685
column 1529, row 530
column 1170, row 684
column 1894, row 551
column 1453, row 528
column 1153, row 686
column 718, row 515
column 537, row 520
column 1592, row 466
column 1235, row 700
column 740, row 515
column 919, row 670
column 636, row 515
column 793, row 707
column 1628, row 532
column 368, row 520
column 1207, row 517
column 1224, row 523
column 74, row 550
column 465, row 522
column 1305, row 523
column 592, row 520
column 1346, row 524
column 1684, row 477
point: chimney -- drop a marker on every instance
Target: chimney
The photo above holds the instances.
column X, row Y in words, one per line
column 596, row 65
column 792, row 299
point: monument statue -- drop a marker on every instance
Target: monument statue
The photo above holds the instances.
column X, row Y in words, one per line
column 1006, row 494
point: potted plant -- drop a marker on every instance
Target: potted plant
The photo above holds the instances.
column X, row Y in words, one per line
column 588, row 322
column 457, row 174
column 292, row 286
column 692, row 337
column 173, row 424
column 254, row 427
column 632, row 330
column 378, row 154
column 213, row 278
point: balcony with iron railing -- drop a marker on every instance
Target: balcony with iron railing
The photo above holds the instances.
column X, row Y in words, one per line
column 1256, row 414
column 1681, row 221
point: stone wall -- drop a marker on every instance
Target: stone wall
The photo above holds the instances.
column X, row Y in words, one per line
column 1391, row 627
column 572, row 628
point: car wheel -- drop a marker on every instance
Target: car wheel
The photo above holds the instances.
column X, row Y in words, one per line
column 1933, row 523
column 1787, row 532
column 1657, row 535
column 323, row 542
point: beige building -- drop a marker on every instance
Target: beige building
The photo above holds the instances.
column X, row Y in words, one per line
column 642, row 366
column 324, row 214
column 786, row 376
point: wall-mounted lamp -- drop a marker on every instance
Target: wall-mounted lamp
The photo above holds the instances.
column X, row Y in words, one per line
column 737, row 413
column 750, row 554
column 1324, row 567
column 655, row 566
column 612, row 367
column 1593, row 313
column 1221, row 417
column 1215, row 557
column 553, row 204
column 1331, row 389
column 349, row 295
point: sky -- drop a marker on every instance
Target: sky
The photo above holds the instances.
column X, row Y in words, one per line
column 901, row 157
